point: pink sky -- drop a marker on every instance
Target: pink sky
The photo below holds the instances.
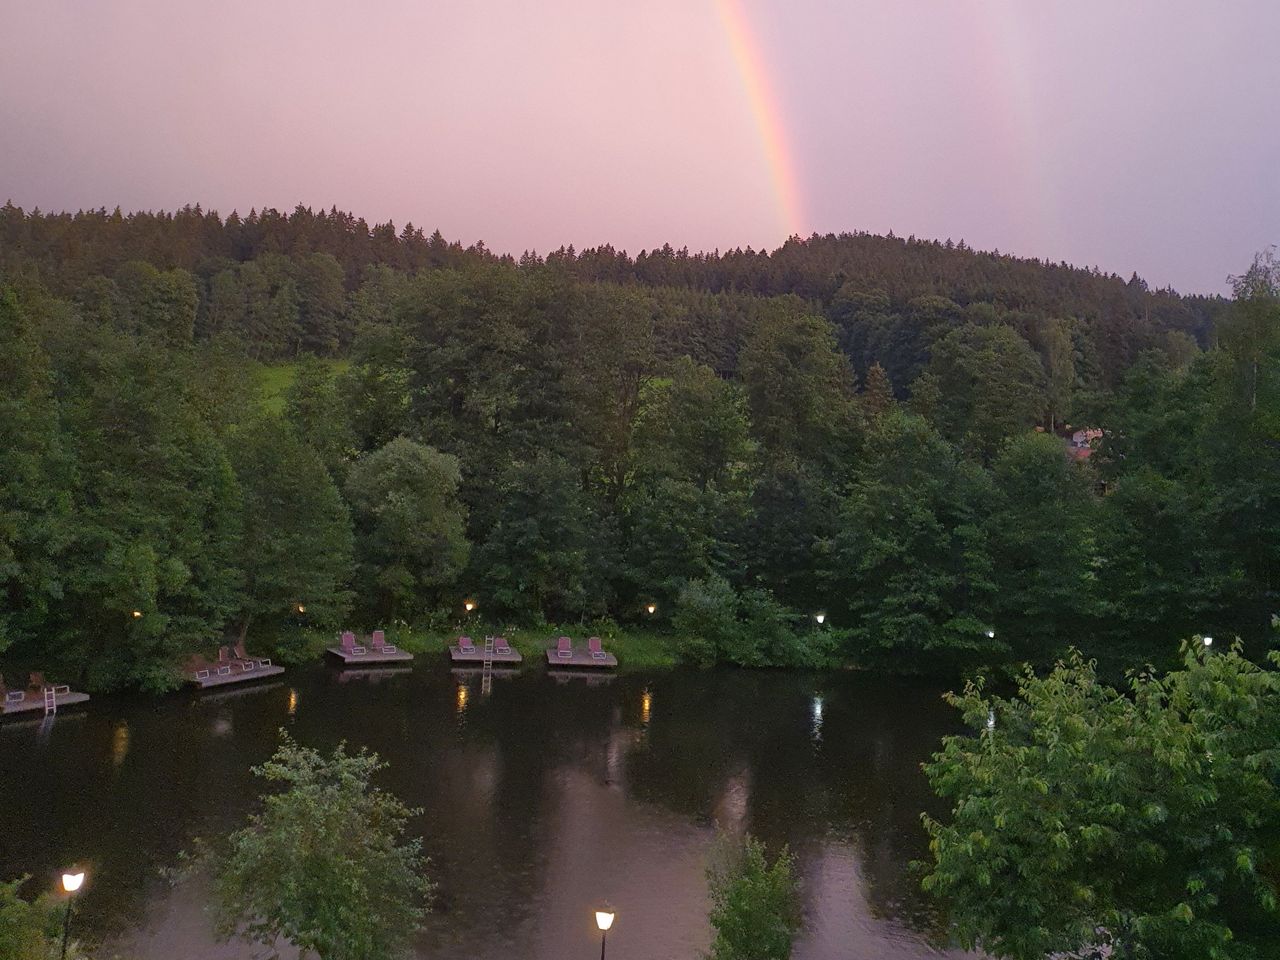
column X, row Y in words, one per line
column 1131, row 134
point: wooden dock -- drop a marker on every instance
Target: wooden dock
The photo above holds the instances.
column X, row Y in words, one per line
column 477, row 655
column 370, row 656
column 204, row 679
column 34, row 701
column 580, row 659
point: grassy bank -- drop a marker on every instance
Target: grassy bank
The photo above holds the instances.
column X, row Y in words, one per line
column 637, row 648
column 276, row 378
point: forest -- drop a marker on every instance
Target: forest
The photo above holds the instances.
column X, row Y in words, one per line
column 870, row 428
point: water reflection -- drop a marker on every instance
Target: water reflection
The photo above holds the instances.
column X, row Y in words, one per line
column 544, row 797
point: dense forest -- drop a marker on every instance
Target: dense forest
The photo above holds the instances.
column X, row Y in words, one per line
column 867, row 427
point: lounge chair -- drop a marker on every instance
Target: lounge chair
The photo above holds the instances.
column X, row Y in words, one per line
column 12, row 696
column 465, row 645
column 564, row 648
column 380, row 644
column 245, row 658
column 349, row 645
column 501, row 647
column 597, row 652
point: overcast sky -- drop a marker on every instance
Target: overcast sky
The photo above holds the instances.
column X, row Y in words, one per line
column 1128, row 134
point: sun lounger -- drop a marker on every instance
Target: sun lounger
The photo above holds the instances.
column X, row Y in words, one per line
column 465, row 645
column 380, row 644
column 349, row 645
column 597, row 652
column 564, row 648
column 501, row 647
column 12, row 696
column 254, row 662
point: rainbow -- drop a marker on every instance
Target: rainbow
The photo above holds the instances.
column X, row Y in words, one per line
column 768, row 114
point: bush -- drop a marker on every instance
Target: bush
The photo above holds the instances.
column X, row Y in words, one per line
column 753, row 902
column 325, row 864
column 751, row 629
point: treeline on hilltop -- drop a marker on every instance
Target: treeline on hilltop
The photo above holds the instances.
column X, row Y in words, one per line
column 564, row 447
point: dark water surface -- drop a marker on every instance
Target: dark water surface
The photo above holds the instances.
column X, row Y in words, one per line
column 539, row 799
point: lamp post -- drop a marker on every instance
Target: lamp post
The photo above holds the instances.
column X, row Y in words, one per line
column 70, row 883
column 604, row 920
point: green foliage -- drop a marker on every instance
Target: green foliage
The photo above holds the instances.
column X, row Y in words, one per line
column 32, row 930
column 753, row 902
column 717, row 624
column 993, row 385
column 325, row 864
column 411, row 527
column 1147, row 819
column 298, row 544
column 910, row 563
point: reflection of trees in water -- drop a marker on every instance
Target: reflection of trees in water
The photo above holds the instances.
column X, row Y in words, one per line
column 125, row 787
column 748, row 738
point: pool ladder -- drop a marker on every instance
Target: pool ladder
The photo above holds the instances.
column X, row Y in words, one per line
column 50, row 701
column 486, row 675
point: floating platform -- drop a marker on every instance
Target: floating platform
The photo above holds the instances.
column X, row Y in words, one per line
column 34, row 702
column 215, row 678
column 458, row 655
column 370, row 655
column 581, row 659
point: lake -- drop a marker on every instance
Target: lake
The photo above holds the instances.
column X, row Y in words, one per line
column 539, row 798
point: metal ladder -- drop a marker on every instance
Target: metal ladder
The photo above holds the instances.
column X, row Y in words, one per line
column 50, row 701
column 486, row 675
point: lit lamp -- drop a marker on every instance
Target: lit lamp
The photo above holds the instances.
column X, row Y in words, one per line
column 1208, row 641
column 71, row 882
column 821, row 618
column 604, row 920
column 651, row 609
column 137, row 614
column 301, row 608
column 991, row 634
column 468, row 605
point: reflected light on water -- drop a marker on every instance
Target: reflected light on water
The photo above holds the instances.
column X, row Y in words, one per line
column 646, row 706
column 119, row 743
column 463, row 694
column 293, row 701
column 816, row 730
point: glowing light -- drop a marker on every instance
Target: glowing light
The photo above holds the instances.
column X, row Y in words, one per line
column 652, row 608
column 293, row 701
column 754, row 70
column 301, row 608
column 71, row 881
column 991, row 719
column 119, row 743
column 137, row 614
column 646, row 707
column 821, row 618
column 991, row 634
column 604, row 918
column 463, row 694
column 1208, row 641
column 469, row 605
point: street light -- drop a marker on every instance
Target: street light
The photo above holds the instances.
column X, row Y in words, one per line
column 70, row 883
column 604, row 920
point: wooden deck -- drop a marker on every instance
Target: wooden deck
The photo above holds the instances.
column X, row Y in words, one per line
column 370, row 656
column 581, row 658
column 34, row 702
column 457, row 655
column 236, row 675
